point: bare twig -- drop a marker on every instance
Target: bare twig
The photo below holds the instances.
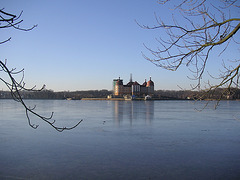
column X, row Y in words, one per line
column 191, row 43
column 8, row 20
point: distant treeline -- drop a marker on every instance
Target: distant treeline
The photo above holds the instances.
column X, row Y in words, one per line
column 159, row 94
column 217, row 94
column 49, row 94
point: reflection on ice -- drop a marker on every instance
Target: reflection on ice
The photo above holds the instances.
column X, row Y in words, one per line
column 152, row 140
column 133, row 111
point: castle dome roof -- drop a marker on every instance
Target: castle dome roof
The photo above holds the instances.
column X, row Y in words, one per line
column 119, row 82
column 150, row 83
column 145, row 83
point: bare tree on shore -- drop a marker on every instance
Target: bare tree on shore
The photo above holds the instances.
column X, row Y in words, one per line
column 8, row 20
column 204, row 26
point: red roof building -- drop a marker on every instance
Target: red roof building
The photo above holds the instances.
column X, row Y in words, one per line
column 132, row 88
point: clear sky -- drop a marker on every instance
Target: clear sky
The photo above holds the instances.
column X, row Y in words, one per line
column 84, row 45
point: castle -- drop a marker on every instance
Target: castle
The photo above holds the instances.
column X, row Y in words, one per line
column 132, row 88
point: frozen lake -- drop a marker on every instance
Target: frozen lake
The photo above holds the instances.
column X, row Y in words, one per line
column 121, row 140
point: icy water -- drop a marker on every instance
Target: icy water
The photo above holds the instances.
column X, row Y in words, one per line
column 121, row 140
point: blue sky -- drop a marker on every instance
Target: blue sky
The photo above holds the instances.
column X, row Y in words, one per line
column 84, row 45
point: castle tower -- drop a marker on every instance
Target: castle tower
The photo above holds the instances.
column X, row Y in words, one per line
column 150, row 86
column 118, row 87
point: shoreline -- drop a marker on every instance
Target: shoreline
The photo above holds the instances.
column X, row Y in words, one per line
column 117, row 99
column 153, row 99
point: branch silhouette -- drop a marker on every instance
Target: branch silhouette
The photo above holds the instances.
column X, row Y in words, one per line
column 190, row 42
column 8, row 20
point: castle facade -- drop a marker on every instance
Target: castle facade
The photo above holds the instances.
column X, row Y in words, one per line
column 133, row 88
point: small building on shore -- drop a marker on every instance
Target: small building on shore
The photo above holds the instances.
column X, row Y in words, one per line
column 133, row 88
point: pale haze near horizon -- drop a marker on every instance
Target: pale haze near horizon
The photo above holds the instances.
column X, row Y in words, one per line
column 84, row 45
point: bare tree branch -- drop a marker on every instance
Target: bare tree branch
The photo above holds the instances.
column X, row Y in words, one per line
column 190, row 43
column 8, row 20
